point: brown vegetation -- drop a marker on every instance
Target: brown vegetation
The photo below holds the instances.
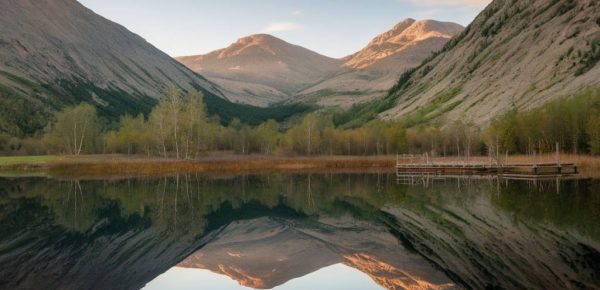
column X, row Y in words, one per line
column 111, row 166
column 245, row 164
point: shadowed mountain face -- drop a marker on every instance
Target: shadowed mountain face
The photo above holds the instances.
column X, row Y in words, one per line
column 57, row 52
column 265, row 230
column 261, row 69
column 514, row 54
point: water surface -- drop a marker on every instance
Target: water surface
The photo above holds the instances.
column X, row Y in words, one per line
column 298, row 231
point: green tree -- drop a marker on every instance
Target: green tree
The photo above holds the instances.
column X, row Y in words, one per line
column 592, row 130
column 132, row 137
column 76, row 130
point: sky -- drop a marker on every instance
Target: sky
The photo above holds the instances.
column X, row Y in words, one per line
column 335, row 28
column 335, row 277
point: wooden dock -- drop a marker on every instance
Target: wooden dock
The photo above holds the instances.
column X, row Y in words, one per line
column 509, row 170
column 496, row 167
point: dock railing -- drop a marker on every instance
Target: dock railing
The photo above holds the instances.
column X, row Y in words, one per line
column 422, row 164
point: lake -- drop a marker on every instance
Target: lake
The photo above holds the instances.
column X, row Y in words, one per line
column 298, row 231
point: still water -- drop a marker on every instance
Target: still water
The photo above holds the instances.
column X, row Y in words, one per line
column 298, row 231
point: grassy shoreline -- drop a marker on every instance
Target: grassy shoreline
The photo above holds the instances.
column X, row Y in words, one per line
column 120, row 165
column 123, row 165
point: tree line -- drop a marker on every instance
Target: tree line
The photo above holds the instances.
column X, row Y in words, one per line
column 179, row 127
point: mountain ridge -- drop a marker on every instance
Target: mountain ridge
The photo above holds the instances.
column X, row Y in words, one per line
column 374, row 69
column 262, row 69
column 272, row 67
column 58, row 53
column 515, row 54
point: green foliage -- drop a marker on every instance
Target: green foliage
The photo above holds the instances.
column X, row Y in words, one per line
column 405, row 80
column 180, row 127
column 20, row 116
column 131, row 137
column 75, row 131
column 110, row 103
column 360, row 114
column 565, row 6
column 227, row 111
column 592, row 130
column 590, row 58
column 563, row 121
column 432, row 110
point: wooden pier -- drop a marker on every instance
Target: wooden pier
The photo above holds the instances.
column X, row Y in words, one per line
column 495, row 168
column 509, row 170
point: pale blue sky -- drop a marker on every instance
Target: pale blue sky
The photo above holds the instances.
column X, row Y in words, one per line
column 335, row 277
column 334, row 28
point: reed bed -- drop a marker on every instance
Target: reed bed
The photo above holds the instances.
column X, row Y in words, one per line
column 245, row 165
column 122, row 165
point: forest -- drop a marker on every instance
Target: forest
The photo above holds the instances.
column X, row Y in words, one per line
column 180, row 127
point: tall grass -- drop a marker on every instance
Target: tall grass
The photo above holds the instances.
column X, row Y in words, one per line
column 260, row 164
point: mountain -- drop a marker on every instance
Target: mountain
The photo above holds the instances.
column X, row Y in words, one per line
column 373, row 70
column 266, row 252
column 261, row 69
column 57, row 52
column 516, row 53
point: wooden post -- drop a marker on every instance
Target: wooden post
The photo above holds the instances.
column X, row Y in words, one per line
column 557, row 155
column 497, row 150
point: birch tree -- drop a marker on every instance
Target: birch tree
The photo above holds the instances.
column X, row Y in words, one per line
column 76, row 130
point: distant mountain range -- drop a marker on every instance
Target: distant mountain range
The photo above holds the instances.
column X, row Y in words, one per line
column 57, row 52
column 372, row 71
column 262, row 69
column 515, row 54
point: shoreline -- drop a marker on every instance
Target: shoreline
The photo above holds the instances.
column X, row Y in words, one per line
column 122, row 165
column 98, row 166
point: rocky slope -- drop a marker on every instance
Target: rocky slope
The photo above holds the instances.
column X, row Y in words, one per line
column 57, row 52
column 372, row 71
column 516, row 53
column 261, row 69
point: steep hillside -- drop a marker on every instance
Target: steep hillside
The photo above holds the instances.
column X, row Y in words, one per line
column 516, row 53
column 372, row 71
column 57, row 52
column 262, row 69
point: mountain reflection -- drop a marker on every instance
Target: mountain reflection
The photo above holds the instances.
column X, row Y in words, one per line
column 265, row 230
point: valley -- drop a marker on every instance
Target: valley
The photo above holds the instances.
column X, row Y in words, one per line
column 422, row 87
column 323, row 145
column 262, row 69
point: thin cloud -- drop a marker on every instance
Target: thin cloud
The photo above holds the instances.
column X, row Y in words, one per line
column 281, row 26
column 297, row 12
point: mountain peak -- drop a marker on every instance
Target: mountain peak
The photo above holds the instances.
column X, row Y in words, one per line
column 68, row 54
column 400, row 26
column 403, row 35
column 515, row 54
column 262, row 65
column 260, row 38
